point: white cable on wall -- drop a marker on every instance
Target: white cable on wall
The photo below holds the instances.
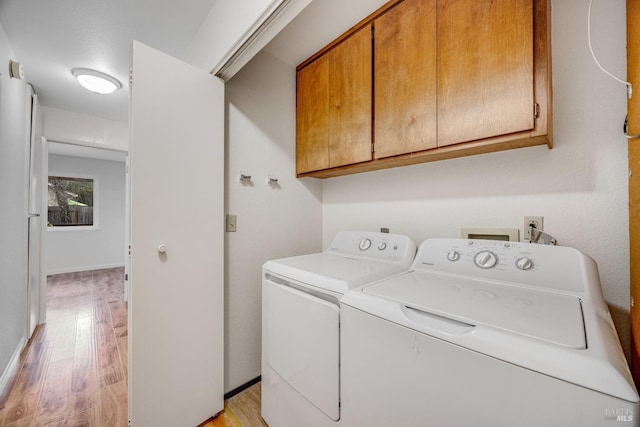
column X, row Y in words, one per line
column 594, row 55
column 628, row 84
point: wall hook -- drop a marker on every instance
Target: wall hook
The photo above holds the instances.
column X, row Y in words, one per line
column 245, row 177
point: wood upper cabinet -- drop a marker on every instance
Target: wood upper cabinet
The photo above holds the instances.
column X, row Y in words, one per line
column 451, row 78
column 333, row 106
column 312, row 116
column 485, row 69
column 405, row 79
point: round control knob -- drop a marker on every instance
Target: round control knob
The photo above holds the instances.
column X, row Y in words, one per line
column 453, row 255
column 162, row 249
column 524, row 263
column 382, row 246
column 365, row 244
column 486, row 259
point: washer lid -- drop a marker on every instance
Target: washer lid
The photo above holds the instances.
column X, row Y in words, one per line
column 331, row 272
column 552, row 317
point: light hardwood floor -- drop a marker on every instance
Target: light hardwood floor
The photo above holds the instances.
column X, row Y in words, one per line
column 73, row 372
column 241, row 410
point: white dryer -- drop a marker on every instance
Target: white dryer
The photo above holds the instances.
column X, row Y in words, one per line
column 301, row 321
column 485, row 333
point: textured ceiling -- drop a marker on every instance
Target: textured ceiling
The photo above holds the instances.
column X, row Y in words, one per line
column 52, row 37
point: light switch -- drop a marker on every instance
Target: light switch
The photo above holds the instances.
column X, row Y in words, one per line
column 231, row 223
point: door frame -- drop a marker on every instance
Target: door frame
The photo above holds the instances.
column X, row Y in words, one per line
column 633, row 128
column 35, row 147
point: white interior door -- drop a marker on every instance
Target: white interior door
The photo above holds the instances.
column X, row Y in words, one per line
column 35, row 215
column 176, row 287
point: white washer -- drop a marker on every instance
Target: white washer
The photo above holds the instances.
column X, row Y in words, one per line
column 485, row 333
column 301, row 318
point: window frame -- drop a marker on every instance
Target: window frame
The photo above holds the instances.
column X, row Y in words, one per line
column 96, row 199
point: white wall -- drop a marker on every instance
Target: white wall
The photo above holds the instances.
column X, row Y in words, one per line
column 272, row 222
column 102, row 246
column 66, row 126
column 580, row 186
column 13, row 215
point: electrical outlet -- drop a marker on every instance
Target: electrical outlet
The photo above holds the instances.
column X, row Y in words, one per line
column 537, row 221
column 231, row 223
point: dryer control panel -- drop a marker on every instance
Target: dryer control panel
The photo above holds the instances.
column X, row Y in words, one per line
column 394, row 248
column 540, row 266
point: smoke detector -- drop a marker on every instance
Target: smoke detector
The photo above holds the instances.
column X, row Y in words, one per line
column 16, row 70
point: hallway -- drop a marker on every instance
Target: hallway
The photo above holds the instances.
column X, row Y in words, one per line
column 74, row 370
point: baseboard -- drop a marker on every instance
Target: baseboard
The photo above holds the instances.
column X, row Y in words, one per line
column 79, row 269
column 12, row 366
column 242, row 388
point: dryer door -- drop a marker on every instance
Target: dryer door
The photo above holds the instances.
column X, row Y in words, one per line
column 302, row 344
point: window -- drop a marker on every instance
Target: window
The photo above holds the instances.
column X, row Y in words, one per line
column 70, row 202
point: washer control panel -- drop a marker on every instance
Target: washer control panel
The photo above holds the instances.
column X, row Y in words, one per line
column 394, row 248
column 486, row 257
column 523, row 263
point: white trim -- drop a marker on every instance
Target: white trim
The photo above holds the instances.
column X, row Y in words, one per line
column 252, row 34
column 84, row 268
column 99, row 145
column 26, row 188
column 82, row 150
column 74, row 227
column 12, row 366
column 43, row 235
column 272, row 20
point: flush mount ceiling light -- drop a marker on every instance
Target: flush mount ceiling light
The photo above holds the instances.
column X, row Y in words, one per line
column 95, row 81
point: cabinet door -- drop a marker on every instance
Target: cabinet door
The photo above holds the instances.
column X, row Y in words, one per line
column 312, row 116
column 405, row 79
column 333, row 106
column 485, row 72
column 350, row 71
